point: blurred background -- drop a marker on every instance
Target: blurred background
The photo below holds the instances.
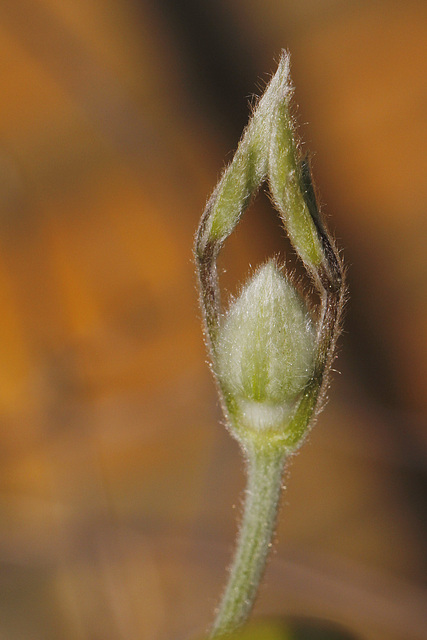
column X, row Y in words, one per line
column 119, row 487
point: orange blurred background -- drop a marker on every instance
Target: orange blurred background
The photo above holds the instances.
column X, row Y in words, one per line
column 119, row 487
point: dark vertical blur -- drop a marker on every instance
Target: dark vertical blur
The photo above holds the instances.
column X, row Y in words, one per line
column 117, row 480
column 219, row 61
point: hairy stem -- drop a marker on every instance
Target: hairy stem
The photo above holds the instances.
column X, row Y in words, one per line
column 265, row 468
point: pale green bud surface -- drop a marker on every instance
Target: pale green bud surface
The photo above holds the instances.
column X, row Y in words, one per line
column 284, row 171
column 265, row 351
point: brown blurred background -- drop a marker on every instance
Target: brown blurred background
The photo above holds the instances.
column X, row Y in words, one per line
column 119, row 489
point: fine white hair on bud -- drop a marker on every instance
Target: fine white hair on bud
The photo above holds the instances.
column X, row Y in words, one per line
column 265, row 350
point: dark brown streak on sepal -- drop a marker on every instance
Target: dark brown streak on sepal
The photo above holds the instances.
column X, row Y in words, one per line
column 330, row 280
column 205, row 253
column 334, row 278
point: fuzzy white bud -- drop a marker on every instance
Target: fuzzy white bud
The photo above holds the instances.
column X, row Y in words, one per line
column 265, row 350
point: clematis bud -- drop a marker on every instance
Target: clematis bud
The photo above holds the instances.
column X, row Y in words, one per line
column 265, row 351
column 270, row 357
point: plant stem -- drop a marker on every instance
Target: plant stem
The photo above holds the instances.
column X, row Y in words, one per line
column 264, row 469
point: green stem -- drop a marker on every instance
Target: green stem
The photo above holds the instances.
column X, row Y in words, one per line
column 265, row 468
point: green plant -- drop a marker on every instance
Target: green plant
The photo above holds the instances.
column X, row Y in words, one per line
column 270, row 355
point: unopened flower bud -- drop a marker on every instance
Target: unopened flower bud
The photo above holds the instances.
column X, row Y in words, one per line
column 265, row 351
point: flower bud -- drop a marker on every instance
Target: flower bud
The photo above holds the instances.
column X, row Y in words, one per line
column 265, row 351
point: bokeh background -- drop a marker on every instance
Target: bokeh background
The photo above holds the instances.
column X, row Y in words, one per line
column 119, row 487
